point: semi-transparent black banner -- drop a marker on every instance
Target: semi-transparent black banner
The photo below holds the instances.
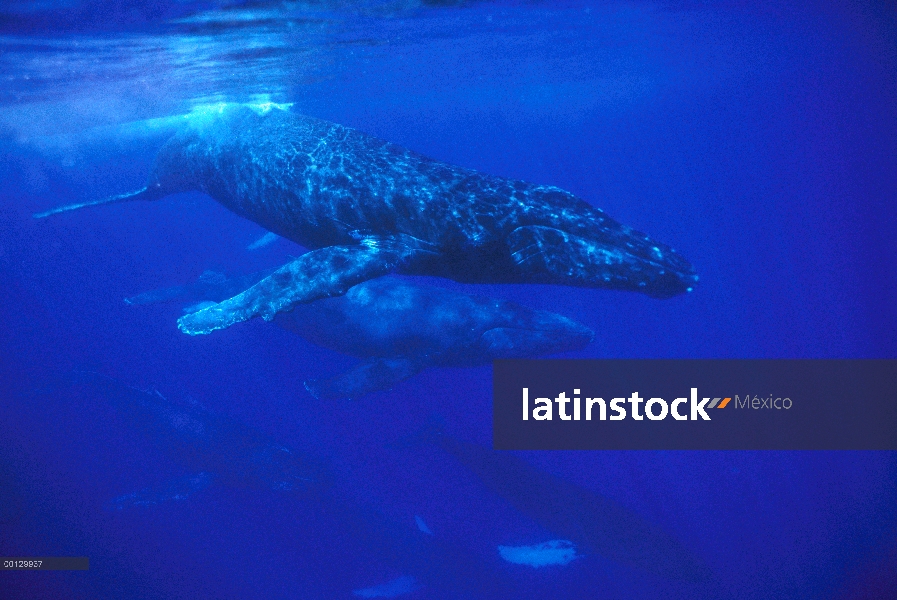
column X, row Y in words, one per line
column 695, row 405
column 45, row 563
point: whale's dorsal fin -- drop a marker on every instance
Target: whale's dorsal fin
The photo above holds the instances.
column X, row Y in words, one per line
column 266, row 240
column 176, row 489
column 322, row 273
column 422, row 525
column 369, row 376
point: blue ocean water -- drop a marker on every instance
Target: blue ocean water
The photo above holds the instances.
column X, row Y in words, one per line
column 757, row 140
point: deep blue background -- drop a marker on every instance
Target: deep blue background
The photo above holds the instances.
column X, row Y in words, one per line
column 761, row 142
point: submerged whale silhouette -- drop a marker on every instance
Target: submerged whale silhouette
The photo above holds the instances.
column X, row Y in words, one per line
column 589, row 520
column 398, row 329
column 213, row 448
column 218, row 450
column 366, row 207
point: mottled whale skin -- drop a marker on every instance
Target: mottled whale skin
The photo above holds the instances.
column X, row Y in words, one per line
column 398, row 328
column 366, row 207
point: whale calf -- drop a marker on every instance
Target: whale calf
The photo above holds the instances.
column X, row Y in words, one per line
column 398, row 328
column 366, row 207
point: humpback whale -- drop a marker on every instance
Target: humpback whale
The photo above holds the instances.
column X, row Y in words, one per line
column 398, row 328
column 588, row 520
column 366, row 207
column 213, row 448
column 218, row 450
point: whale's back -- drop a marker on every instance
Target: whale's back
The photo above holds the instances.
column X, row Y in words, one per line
column 316, row 182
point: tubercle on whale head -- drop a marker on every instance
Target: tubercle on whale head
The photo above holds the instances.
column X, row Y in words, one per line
column 659, row 270
column 667, row 284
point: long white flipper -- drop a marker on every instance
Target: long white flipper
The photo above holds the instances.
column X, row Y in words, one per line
column 321, row 273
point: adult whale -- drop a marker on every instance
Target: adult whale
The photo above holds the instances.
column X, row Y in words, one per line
column 366, row 207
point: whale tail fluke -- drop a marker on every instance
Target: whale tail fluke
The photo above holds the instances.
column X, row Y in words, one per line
column 143, row 193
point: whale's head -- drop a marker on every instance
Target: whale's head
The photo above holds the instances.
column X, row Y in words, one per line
column 175, row 169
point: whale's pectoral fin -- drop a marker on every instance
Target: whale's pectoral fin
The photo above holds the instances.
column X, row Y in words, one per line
column 210, row 288
column 161, row 295
column 144, row 193
column 177, row 489
column 548, row 255
column 370, row 376
column 317, row 274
